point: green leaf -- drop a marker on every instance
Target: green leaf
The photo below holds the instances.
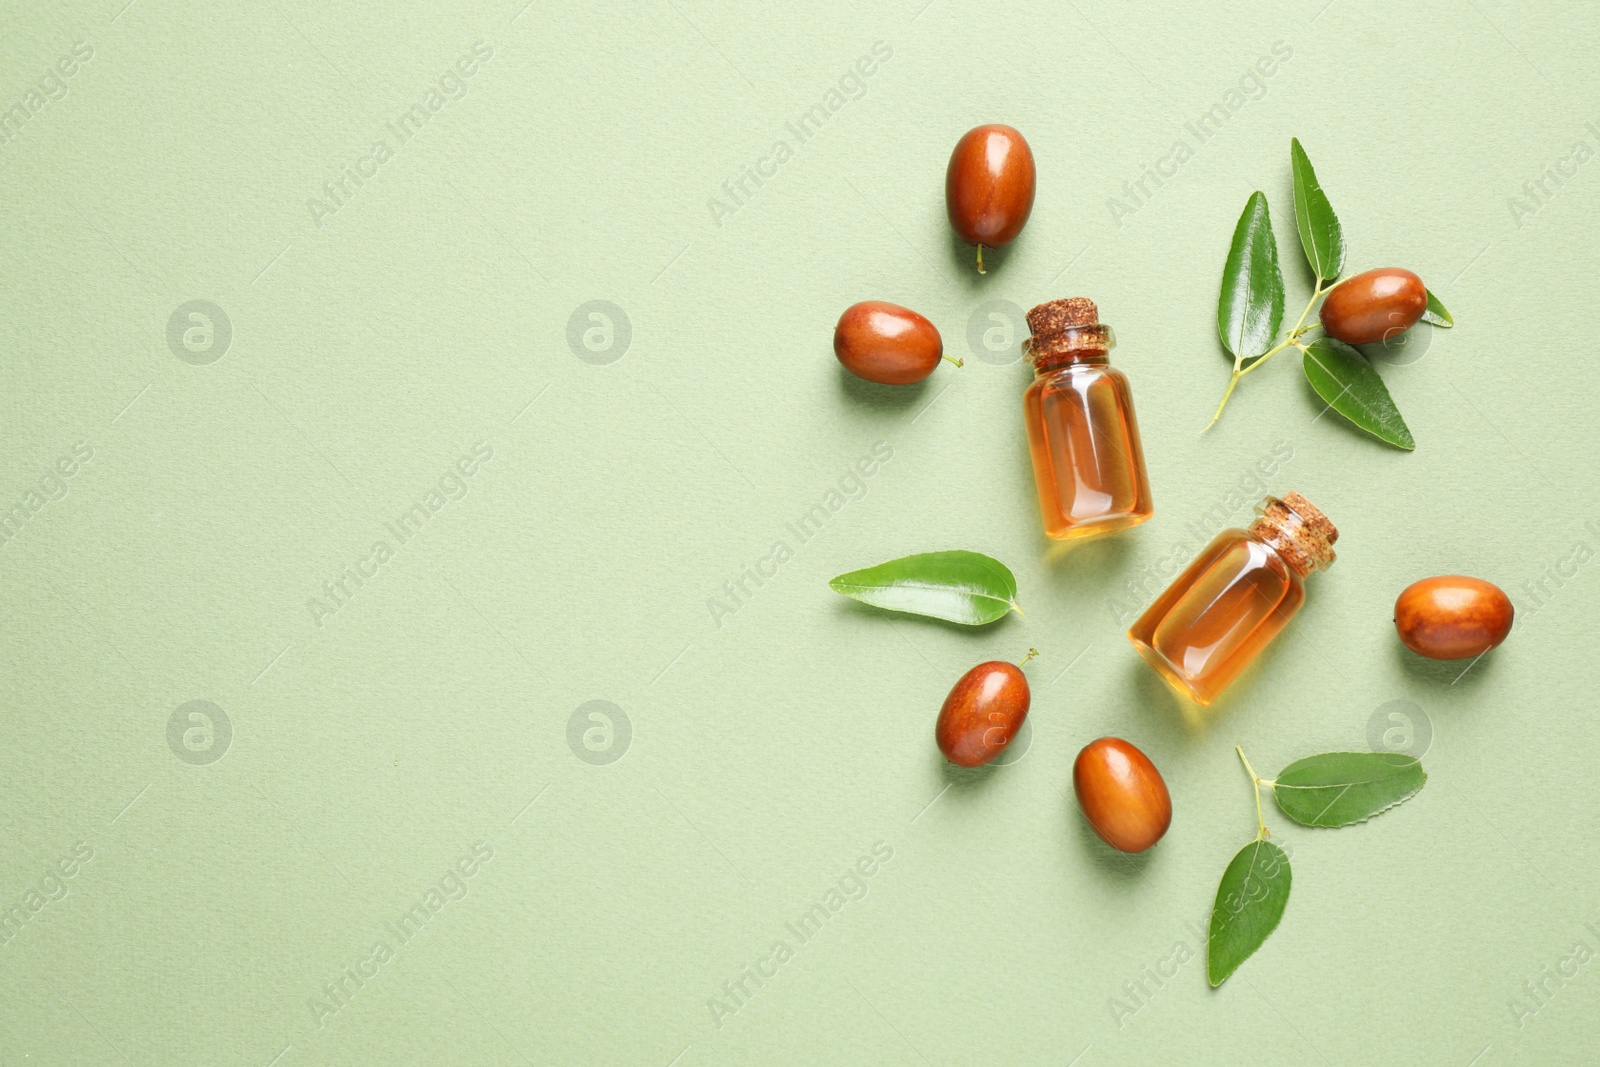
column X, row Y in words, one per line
column 1341, row 788
column 1436, row 313
column 1343, row 377
column 1250, row 309
column 1250, row 901
column 1320, row 235
column 965, row 587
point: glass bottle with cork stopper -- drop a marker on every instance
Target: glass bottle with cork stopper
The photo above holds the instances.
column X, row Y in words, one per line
column 1087, row 460
column 1237, row 595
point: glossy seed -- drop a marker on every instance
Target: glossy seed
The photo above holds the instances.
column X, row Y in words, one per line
column 1375, row 306
column 1452, row 617
column 1121, row 794
column 989, row 186
column 983, row 712
column 886, row 343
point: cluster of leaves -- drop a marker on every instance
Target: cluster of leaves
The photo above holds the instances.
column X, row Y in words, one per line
column 1250, row 309
column 965, row 587
column 1333, row 789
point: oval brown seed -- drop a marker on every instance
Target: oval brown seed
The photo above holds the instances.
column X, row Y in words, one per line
column 1452, row 616
column 886, row 343
column 989, row 186
column 1374, row 306
column 1122, row 794
column 983, row 712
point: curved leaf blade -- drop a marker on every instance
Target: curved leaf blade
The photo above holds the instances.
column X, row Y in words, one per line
column 1346, row 381
column 964, row 587
column 1250, row 307
column 1250, row 901
column 1344, row 788
column 1436, row 315
column 1320, row 234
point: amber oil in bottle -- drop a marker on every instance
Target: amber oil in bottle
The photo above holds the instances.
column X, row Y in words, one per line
column 1087, row 461
column 1237, row 595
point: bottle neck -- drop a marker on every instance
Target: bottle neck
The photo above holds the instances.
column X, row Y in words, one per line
column 1050, row 362
column 1297, row 531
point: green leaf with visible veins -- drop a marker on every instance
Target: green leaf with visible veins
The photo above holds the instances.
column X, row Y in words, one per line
column 1250, row 307
column 1250, row 901
column 965, row 587
column 1343, row 377
column 1341, row 788
column 1320, row 234
column 1436, row 313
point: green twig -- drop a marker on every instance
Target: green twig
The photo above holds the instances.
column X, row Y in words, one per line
column 1262, row 833
column 1291, row 340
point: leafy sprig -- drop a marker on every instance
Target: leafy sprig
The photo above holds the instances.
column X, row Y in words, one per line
column 1330, row 790
column 1250, row 309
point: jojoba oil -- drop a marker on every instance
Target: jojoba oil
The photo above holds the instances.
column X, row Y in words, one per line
column 1088, row 464
column 1238, row 594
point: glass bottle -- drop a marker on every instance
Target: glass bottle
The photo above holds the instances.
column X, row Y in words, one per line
column 1236, row 596
column 1087, row 462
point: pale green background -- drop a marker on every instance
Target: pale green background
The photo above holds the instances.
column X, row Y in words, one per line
column 771, row 752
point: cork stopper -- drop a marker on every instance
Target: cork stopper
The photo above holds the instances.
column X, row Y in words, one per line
column 1056, row 315
column 1066, row 328
column 1298, row 531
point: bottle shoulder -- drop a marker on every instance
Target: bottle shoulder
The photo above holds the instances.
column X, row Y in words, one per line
column 1249, row 553
column 1079, row 376
column 1269, row 558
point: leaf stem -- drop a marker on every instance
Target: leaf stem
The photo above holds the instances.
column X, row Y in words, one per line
column 1291, row 343
column 1032, row 652
column 1233, row 383
column 1262, row 833
column 1316, row 293
column 1018, row 609
column 1291, row 340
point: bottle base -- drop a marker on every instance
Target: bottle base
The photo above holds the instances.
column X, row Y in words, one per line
column 1170, row 673
column 1095, row 527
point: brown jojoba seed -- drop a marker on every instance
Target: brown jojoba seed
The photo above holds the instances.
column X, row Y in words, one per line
column 983, row 712
column 1452, row 616
column 988, row 187
column 1374, row 306
column 886, row 343
column 1121, row 794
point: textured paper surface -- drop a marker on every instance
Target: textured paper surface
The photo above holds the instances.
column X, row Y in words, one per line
column 397, row 830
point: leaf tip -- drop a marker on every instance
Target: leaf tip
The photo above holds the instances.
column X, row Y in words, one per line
column 1436, row 314
column 1214, row 974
